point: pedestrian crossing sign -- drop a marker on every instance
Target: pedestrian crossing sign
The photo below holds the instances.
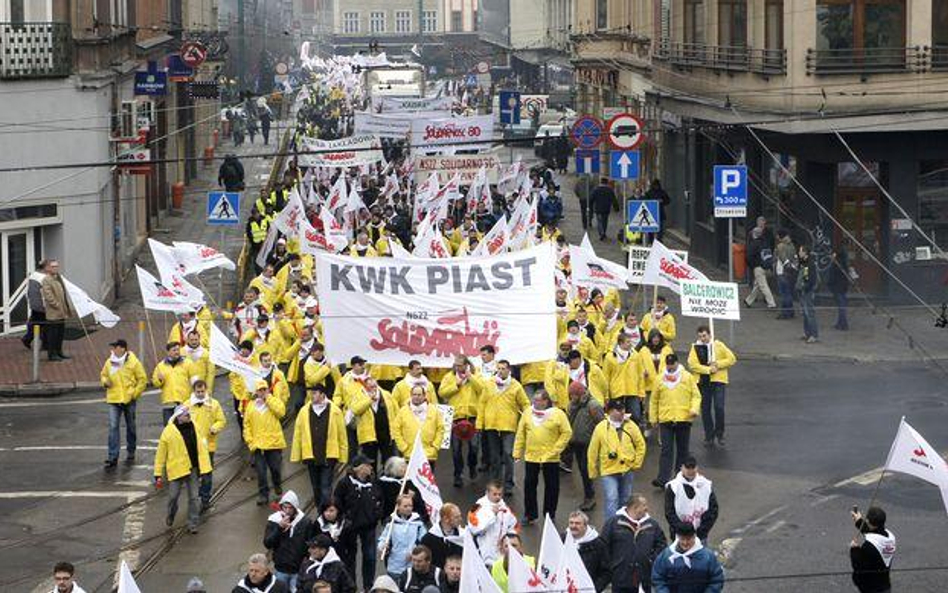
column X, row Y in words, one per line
column 643, row 216
column 223, row 208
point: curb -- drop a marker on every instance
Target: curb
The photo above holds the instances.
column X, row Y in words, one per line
column 853, row 359
column 44, row 390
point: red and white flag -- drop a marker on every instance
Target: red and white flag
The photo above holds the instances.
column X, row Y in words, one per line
column 593, row 271
column 911, row 454
column 338, row 195
column 475, row 578
column 422, row 476
column 572, row 575
column 430, row 242
column 521, row 578
column 523, row 224
column 156, row 296
column 551, row 553
column 171, row 271
column 335, row 233
column 195, row 257
column 664, row 268
column 288, row 219
column 224, row 354
column 495, row 241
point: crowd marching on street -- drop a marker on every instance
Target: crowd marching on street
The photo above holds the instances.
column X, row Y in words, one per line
column 622, row 384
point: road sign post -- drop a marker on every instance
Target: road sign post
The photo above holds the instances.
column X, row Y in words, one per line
column 509, row 107
column 624, row 164
column 587, row 162
column 730, row 201
column 586, row 133
column 624, row 131
column 642, row 216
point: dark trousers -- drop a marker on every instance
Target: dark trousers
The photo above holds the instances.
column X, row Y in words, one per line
column 265, row 130
column 207, row 484
column 842, row 302
column 584, row 211
column 116, row 413
column 602, row 224
column 367, row 542
column 272, row 459
column 675, row 439
column 633, row 406
column 320, row 477
column 500, row 456
column 579, row 451
column 239, row 414
column 712, row 409
column 551, row 488
column 376, row 451
column 167, row 413
column 55, row 330
column 37, row 318
column 457, row 455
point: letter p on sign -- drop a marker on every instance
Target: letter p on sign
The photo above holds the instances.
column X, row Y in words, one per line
column 730, row 179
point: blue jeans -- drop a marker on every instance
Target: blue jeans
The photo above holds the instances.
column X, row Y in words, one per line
column 785, row 289
column 842, row 301
column 616, row 491
column 712, row 409
column 116, row 413
column 287, row 579
column 207, row 484
column 808, row 305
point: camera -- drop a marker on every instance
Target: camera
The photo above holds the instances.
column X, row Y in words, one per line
column 613, row 455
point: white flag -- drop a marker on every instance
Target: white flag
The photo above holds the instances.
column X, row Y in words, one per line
column 595, row 272
column 523, row 224
column 338, row 194
column 911, row 454
column 84, row 305
column 475, row 577
column 335, row 233
column 126, row 582
column 156, row 296
column 398, row 252
column 572, row 575
column 288, row 220
column 195, row 257
column 551, row 553
column 664, row 268
column 520, row 577
column 422, row 476
column 171, row 271
column 495, row 241
column 430, row 243
column 224, row 354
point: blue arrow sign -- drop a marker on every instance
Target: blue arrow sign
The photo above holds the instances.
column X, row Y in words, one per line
column 643, row 216
column 624, row 164
column 223, row 208
column 509, row 107
column 587, row 162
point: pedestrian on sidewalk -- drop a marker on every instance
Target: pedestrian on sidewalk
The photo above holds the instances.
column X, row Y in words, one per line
column 603, row 197
column 34, row 298
column 690, row 500
column 287, row 531
column 657, row 193
column 231, row 174
column 58, row 310
column 182, row 456
column 266, row 118
column 584, row 413
column 124, row 380
column 582, row 191
column 710, row 361
column 675, row 404
column 760, row 259
column 807, row 281
column 838, row 283
column 786, row 270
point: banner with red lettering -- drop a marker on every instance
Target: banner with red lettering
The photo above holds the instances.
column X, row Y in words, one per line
column 392, row 310
column 354, row 151
column 452, row 132
column 664, row 268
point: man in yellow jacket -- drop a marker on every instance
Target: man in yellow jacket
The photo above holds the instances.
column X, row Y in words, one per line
column 542, row 435
column 209, row 420
column 263, row 435
column 461, row 389
column 374, row 410
column 624, row 374
column 276, row 380
column 173, row 376
column 616, row 450
column 419, row 415
column 415, row 377
column 660, row 318
column 124, row 380
column 675, row 403
column 200, row 358
column 710, row 361
column 502, row 403
column 320, row 441
column 239, row 389
column 182, row 457
column 559, row 375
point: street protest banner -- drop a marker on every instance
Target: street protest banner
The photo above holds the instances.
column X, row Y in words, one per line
column 713, row 300
column 593, row 271
column 391, row 125
column 402, row 104
column 664, row 268
column 354, row 151
column 466, row 164
column 390, row 311
column 637, row 258
column 452, row 132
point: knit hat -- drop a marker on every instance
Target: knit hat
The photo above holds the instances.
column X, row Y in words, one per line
column 385, row 583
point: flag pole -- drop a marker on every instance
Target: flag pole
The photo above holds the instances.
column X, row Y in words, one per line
column 151, row 335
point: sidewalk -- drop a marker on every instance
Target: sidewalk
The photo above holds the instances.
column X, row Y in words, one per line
column 874, row 335
column 88, row 355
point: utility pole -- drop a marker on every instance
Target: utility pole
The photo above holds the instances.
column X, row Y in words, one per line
column 241, row 47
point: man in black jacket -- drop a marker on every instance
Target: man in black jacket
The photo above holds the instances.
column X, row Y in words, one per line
column 421, row 573
column 592, row 550
column 602, row 198
column 286, row 535
column 689, row 498
column 323, row 564
column 444, row 538
column 231, row 174
column 360, row 502
column 872, row 559
column 259, row 579
column 633, row 540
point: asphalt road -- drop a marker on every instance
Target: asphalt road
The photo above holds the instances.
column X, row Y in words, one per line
column 795, row 431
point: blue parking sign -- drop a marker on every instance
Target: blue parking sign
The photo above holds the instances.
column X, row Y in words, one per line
column 730, row 191
column 587, row 162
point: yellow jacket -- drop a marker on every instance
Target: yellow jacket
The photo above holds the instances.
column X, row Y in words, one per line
column 262, row 429
column 274, row 343
column 607, row 336
column 177, row 334
column 722, row 356
column 407, row 427
column 464, row 398
column 174, row 381
column 677, row 404
column 369, row 251
column 201, row 366
column 209, row 420
column 348, row 388
column 401, row 393
column 624, row 378
column 543, row 443
column 626, row 444
column 361, row 406
column 283, row 275
column 666, row 325
column 319, row 372
column 557, row 382
column 337, row 443
column 268, row 294
column 172, row 456
column 126, row 384
column 647, row 364
column 386, row 372
column 501, row 410
column 278, row 384
column 533, row 372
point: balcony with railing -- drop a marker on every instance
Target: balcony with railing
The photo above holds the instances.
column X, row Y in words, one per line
column 35, row 50
column 726, row 58
column 867, row 60
column 939, row 57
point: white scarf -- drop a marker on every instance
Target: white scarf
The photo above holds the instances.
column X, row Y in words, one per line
column 196, row 401
column 690, row 510
column 305, row 348
column 574, row 339
column 685, row 556
column 611, row 322
column 589, row 536
column 117, row 362
column 318, row 409
column 413, row 381
column 671, row 379
column 187, row 328
column 621, row 355
column 420, row 411
column 635, row 333
column 502, row 384
column 489, row 369
column 657, row 315
column 578, row 374
column 884, row 544
column 334, row 529
column 194, row 354
column 360, row 485
column 540, row 416
column 616, row 425
column 267, row 282
column 317, row 565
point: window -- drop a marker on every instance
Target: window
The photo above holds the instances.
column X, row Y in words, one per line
column 602, row 14
column 350, row 22
column 429, row 21
column 773, row 24
column 119, row 14
column 403, row 21
column 875, row 26
column 694, row 21
column 16, row 11
column 457, row 20
column 377, row 22
column 940, row 33
column 933, row 199
column 125, row 120
column 732, row 23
